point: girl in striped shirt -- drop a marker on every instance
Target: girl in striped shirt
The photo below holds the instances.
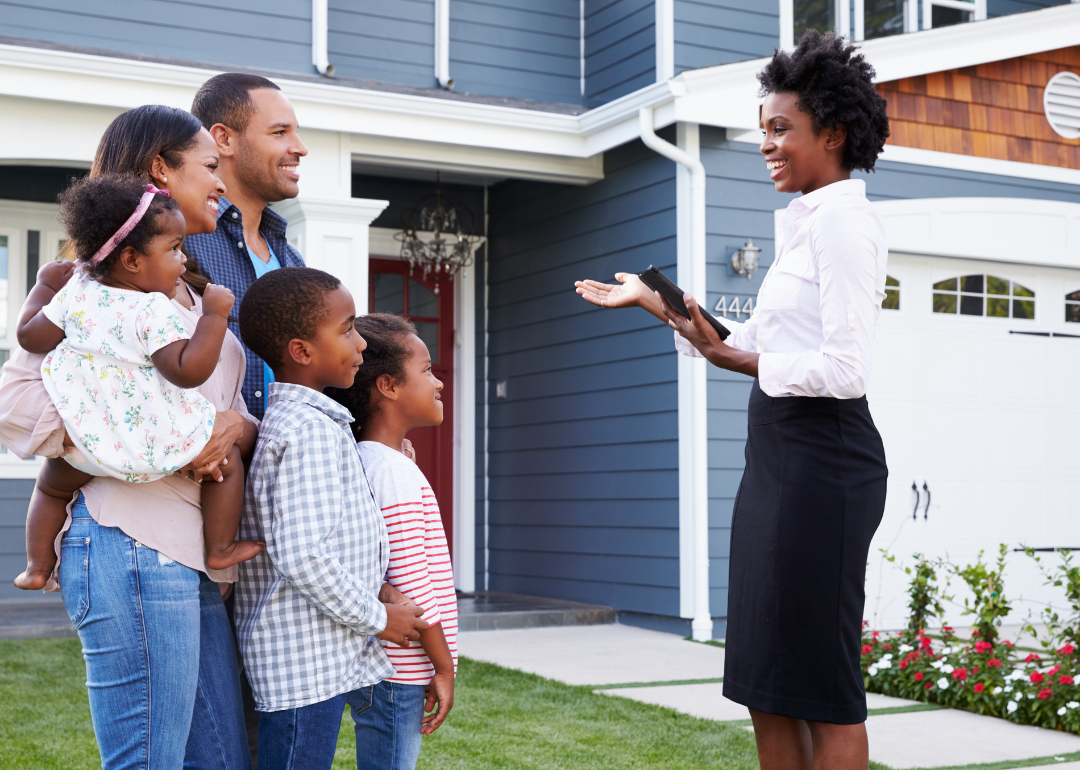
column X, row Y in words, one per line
column 394, row 392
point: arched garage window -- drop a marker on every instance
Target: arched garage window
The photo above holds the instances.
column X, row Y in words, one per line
column 985, row 295
column 892, row 294
column 1072, row 307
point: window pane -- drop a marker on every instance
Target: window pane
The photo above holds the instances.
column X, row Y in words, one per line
column 946, row 17
column 974, row 284
column 422, row 301
column 949, row 285
column 996, row 285
column 1024, row 308
column 890, row 281
column 998, row 308
column 883, row 17
column 1022, row 291
column 429, row 333
column 1072, row 313
column 1075, row 296
column 3, row 285
column 892, row 300
column 389, row 291
column 816, row 14
column 971, row 305
column 944, row 303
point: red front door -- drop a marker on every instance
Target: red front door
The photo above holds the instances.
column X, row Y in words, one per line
column 393, row 290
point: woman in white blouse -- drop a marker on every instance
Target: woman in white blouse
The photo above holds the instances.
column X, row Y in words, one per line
column 813, row 491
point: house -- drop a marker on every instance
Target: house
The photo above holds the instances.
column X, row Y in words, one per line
column 581, row 457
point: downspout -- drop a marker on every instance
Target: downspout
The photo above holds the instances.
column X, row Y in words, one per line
column 319, row 25
column 442, row 44
column 693, row 376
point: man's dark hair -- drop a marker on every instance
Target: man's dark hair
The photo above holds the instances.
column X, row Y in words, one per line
column 285, row 304
column 386, row 353
column 834, row 85
column 226, row 99
column 95, row 207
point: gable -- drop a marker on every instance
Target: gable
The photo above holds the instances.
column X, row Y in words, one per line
column 992, row 110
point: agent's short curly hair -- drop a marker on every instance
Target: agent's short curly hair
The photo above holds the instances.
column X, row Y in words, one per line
column 285, row 304
column 94, row 208
column 387, row 353
column 834, row 85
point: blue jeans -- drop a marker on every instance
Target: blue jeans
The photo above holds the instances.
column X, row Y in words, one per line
column 160, row 663
column 387, row 717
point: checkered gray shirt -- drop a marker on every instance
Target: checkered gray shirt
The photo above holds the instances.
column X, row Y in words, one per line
column 306, row 606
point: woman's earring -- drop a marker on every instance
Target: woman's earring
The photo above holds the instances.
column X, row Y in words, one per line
column 164, row 179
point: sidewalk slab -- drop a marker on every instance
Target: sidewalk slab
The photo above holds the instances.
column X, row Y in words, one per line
column 597, row 655
column 875, row 701
column 948, row 737
column 699, row 700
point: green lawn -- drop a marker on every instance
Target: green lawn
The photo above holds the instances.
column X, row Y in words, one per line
column 501, row 719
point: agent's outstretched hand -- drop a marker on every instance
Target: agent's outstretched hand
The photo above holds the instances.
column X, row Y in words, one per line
column 629, row 292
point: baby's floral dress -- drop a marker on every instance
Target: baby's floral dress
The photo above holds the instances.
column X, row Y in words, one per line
column 127, row 418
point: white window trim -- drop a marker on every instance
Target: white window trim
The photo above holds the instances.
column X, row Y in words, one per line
column 854, row 25
column 978, row 7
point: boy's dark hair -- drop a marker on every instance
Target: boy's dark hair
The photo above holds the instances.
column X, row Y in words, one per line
column 285, row 304
column 386, row 353
column 226, row 99
column 834, row 84
column 132, row 141
column 95, row 207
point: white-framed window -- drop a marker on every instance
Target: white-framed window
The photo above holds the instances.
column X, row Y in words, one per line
column 984, row 295
column 892, row 294
column 1072, row 307
column 869, row 19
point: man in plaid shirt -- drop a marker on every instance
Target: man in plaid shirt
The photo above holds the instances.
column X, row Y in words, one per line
column 307, row 608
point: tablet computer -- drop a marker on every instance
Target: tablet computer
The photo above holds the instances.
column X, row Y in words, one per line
column 673, row 295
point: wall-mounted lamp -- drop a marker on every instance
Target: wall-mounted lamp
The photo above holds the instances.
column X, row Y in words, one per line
column 745, row 260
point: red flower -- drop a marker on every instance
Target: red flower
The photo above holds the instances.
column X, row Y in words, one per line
column 981, row 647
column 925, row 642
column 979, row 687
column 1053, row 671
column 1006, row 641
column 903, row 664
column 1065, row 680
column 867, row 649
column 974, row 632
column 960, row 674
column 929, row 685
column 1032, row 658
column 1068, row 649
column 947, row 629
column 887, row 646
column 994, row 663
column 875, row 634
column 975, row 670
column 918, row 675
column 1036, row 677
column 1044, row 694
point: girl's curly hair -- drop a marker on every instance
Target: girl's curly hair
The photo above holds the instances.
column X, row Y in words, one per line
column 386, row 353
column 834, row 84
column 94, row 208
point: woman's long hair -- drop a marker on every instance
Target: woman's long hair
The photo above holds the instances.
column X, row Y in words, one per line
column 129, row 146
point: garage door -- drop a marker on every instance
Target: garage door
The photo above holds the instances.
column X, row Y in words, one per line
column 976, row 391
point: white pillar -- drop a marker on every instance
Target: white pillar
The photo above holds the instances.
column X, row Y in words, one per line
column 464, row 556
column 332, row 235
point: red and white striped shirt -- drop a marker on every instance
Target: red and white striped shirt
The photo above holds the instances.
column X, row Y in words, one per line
column 419, row 557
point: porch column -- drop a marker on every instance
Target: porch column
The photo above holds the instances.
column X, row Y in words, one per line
column 332, row 235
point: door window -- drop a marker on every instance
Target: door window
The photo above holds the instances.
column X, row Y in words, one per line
column 1072, row 307
column 892, row 294
column 984, row 295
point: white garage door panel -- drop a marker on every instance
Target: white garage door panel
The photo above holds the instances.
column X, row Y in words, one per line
column 988, row 419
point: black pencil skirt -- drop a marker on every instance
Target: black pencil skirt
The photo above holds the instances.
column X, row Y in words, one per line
column 810, row 500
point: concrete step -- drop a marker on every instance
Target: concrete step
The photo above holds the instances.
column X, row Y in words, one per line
column 498, row 611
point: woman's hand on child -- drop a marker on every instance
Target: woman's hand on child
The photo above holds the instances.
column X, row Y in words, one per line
column 408, row 450
column 439, row 692
column 390, row 595
column 228, row 428
column 403, row 624
column 217, row 300
column 55, row 275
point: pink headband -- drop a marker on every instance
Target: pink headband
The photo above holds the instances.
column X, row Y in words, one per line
column 127, row 227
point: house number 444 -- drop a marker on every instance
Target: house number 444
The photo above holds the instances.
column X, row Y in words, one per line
column 725, row 307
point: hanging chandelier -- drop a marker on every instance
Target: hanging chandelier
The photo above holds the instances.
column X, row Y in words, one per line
column 449, row 243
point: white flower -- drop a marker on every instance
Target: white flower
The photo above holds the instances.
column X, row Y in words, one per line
column 1072, row 704
column 997, row 690
column 937, row 664
column 947, row 669
column 884, row 663
column 1031, row 696
column 1008, row 688
column 887, row 656
column 1019, row 695
column 906, row 648
column 1061, row 711
column 872, row 671
column 943, row 683
column 1011, row 707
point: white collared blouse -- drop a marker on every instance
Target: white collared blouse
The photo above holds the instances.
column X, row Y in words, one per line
column 819, row 303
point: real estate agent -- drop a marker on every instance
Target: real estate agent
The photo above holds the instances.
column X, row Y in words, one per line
column 813, row 491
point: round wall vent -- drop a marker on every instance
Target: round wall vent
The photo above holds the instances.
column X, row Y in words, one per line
column 1061, row 101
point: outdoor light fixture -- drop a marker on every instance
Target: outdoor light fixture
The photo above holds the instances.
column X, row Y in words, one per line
column 745, row 260
column 449, row 248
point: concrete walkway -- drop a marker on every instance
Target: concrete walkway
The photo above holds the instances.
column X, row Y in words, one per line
column 672, row 670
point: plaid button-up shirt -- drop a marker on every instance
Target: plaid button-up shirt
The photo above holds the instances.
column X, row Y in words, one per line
column 307, row 606
column 223, row 258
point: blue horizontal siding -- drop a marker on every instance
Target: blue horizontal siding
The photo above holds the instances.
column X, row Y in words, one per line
column 583, row 484
column 710, row 32
column 267, row 34
column 620, row 48
column 518, row 49
column 391, row 42
column 14, row 500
